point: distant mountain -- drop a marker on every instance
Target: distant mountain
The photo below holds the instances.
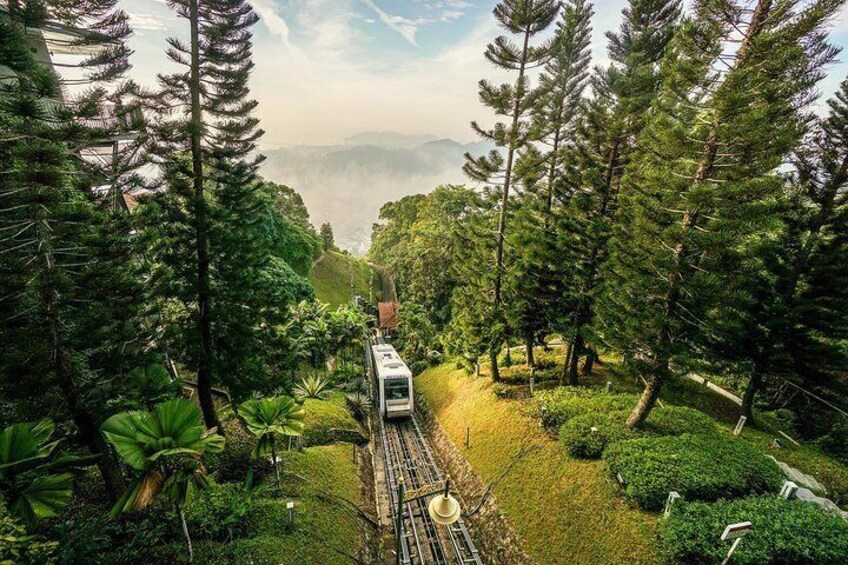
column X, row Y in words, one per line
column 347, row 184
column 389, row 139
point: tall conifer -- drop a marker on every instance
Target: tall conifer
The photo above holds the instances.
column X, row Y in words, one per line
column 622, row 94
column 721, row 124
column 219, row 132
column 524, row 19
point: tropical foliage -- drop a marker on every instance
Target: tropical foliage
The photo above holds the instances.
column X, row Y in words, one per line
column 165, row 448
column 268, row 419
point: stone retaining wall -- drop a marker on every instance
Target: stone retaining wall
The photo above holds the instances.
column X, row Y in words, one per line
column 494, row 537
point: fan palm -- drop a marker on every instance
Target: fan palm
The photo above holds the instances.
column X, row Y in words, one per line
column 266, row 418
column 166, row 447
column 29, row 481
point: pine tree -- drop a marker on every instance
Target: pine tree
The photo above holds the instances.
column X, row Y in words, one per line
column 525, row 19
column 561, row 87
column 327, row 239
column 787, row 320
column 614, row 117
column 719, row 127
column 66, row 283
column 220, row 133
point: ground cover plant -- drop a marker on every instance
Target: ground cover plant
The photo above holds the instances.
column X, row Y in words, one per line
column 587, row 435
column 784, row 532
column 698, row 466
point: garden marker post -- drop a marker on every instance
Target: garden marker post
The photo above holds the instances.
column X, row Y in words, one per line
column 467, row 438
column 290, row 516
column 673, row 496
column 532, row 383
column 399, row 523
column 739, row 425
column 735, row 532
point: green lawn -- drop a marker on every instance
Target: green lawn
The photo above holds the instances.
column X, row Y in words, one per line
column 326, row 530
column 331, row 278
column 567, row 511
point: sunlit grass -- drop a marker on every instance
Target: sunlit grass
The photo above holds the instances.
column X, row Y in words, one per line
column 566, row 510
column 331, row 278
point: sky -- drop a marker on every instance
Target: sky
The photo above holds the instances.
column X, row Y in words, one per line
column 327, row 69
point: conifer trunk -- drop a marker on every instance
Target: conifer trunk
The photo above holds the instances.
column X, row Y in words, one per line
column 204, row 370
column 574, row 359
column 63, row 375
column 493, row 362
column 531, row 361
column 754, row 384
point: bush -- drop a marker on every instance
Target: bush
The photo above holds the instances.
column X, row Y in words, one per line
column 587, row 436
column 234, row 463
column 17, row 546
column 558, row 406
column 88, row 535
column 219, row 512
column 699, row 467
column 584, row 442
column 679, row 420
column 784, row 532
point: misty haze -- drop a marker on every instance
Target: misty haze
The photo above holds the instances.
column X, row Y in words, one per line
column 347, row 184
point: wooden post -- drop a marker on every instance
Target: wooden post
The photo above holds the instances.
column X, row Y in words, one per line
column 467, row 438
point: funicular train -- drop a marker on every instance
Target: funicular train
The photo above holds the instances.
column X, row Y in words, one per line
column 393, row 380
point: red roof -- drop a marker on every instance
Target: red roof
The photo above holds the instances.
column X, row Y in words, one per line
column 388, row 315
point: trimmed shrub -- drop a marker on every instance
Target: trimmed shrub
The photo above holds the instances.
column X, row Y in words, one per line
column 588, row 435
column 699, row 467
column 679, row 420
column 784, row 532
column 558, row 406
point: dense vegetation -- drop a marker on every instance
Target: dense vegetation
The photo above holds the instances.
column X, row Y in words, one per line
column 682, row 208
column 112, row 320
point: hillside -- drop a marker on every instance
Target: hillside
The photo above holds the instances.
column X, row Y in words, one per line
column 337, row 278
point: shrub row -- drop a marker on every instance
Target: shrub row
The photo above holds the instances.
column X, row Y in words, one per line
column 698, row 466
column 587, row 436
column 784, row 532
column 558, row 406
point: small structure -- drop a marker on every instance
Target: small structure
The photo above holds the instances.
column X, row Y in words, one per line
column 388, row 316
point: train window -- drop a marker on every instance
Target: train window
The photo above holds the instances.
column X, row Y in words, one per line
column 397, row 389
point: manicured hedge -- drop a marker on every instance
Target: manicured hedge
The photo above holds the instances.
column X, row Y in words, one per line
column 698, row 466
column 587, row 436
column 558, row 406
column 785, row 532
column 581, row 441
column 679, row 420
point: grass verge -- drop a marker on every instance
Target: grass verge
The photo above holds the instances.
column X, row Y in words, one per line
column 565, row 510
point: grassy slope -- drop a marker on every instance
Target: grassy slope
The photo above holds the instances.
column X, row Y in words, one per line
column 323, row 528
column 566, row 510
column 331, row 279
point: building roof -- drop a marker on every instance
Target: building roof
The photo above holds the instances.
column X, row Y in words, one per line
column 388, row 315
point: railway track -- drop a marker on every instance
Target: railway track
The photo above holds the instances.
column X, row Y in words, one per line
column 423, row 542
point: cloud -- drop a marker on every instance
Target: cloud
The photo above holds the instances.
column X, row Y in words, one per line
column 146, row 22
column 272, row 20
column 404, row 26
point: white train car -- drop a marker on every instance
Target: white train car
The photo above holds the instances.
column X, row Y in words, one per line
column 394, row 382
